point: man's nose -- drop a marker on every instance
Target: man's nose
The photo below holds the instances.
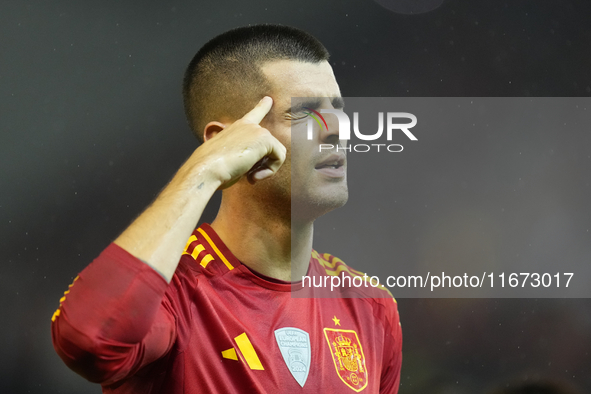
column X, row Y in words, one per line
column 335, row 120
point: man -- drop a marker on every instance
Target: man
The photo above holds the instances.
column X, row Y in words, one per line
column 222, row 319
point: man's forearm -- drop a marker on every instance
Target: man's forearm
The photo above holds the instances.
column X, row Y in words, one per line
column 158, row 235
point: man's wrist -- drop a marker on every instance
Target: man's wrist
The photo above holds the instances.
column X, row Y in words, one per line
column 202, row 179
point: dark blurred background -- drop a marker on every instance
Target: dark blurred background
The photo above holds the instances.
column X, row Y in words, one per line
column 92, row 127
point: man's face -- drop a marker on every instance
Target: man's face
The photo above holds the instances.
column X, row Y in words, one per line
column 318, row 179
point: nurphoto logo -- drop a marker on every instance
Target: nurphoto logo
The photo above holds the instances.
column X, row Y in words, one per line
column 345, row 130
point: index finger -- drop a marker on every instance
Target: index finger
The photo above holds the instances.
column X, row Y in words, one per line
column 257, row 114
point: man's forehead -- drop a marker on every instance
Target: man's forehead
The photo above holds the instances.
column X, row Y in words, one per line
column 290, row 78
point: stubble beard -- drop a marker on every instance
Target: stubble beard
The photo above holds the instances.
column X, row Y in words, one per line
column 308, row 206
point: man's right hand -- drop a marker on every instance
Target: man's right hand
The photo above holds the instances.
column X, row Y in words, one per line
column 243, row 147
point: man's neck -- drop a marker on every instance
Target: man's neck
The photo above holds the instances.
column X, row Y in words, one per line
column 264, row 241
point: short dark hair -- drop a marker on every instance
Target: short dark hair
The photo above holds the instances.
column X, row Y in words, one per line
column 224, row 78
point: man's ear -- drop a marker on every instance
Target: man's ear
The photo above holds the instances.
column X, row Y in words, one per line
column 212, row 129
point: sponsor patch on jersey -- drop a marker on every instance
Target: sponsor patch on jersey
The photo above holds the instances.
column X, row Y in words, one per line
column 348, row 358
column 296, row 351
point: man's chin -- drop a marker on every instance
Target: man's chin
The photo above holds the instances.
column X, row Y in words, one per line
column 312, row 207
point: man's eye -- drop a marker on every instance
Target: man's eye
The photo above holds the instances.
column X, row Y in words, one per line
column 296, row 116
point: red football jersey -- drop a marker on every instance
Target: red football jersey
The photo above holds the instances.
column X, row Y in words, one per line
column 218, row 327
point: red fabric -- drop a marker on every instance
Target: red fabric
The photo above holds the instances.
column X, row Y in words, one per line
column 121, row 325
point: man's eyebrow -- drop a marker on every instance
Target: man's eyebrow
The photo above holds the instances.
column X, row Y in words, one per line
column 315, row 103
column 312, row 103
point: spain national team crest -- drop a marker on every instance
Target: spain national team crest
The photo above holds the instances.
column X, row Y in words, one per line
column 295, row 349
column 348, row 357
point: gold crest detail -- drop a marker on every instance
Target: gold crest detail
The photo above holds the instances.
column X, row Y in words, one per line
column 348, row 358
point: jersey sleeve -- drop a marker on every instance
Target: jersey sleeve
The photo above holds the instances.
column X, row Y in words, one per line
column 114, row 319
column 392, row 363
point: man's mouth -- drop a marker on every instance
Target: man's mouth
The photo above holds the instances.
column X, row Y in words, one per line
column 332, row 166
column 328, row 166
